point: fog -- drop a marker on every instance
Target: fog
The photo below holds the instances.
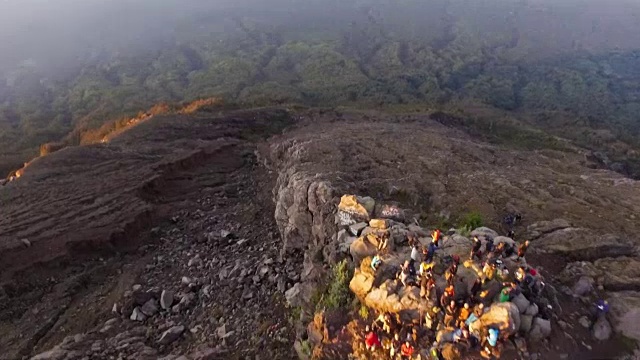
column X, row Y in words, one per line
column 48, row 33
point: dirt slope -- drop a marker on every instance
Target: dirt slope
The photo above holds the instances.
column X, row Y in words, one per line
column 173, row 187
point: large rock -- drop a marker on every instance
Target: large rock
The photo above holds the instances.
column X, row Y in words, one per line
column 540, row 329
column 171, row 335
column 299, row 294
column 404, row 301
column 503, row 316
column 583, row 286
column 363, row 247
column 451, row 352
column 456, row 245
column 625, row 313
column 361, row 283
column 526, row 321
column 601, row 329
column 354, row 209
column 150, row 308
column 503, row 239
column 166, row 299
column 392, row 212
column 622, row 273
column 355, row 229
column 540, row 228
column 483, row 233
column 521, row 302
column 583, row 244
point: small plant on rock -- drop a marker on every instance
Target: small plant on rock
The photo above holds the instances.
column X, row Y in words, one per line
column 470, row 221
column 364, row 312
column 337, row 294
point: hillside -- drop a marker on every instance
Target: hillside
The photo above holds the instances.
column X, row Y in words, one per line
column 568, row 69
column 228, row 210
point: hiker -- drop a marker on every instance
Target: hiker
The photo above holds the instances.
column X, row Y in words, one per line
column 522, row 249
column 382, row 244
column 394, row 348
column 371, row 341
column 499, row 249
column 431, row 318
column 415, row 253
column 475, row 288
column 475, row 251
column 478, row 311
column 600, row 308
column 436, row 235
column 505, row 295
column 490, row 348
column 489, row 246
column 376, row 262
column 406, row 351
column 431, row 251
column 383, row 321
column 465, row 311
column 427, row 284
column 509, row 250
column 450, row 314
column 426, row 268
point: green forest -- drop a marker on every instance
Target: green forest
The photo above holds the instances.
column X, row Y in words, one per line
column 570, row 72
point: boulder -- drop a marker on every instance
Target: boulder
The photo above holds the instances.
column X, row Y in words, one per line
column 444, row 336
column 417, row 230
column 456, row 245
column 355, row 229
column 150, row 308
column 532, row 310
column 380, row 224
column 540, row 228
column 540, row 329
column 503, row 239
column 364, row 246
column 526, row 321
column 361, row 283
column 171, row 335
column 54, row 354
column 483, row 233
column 583, row 244
column 583, row 286
column 392, row 212
column 625, row 313
column 521, row 302
column 502, row 316
column 601, row 329
column 137, row 315
column 406, row 301
column 621, row 273
column 166, row 299
column 299, row 294
column 354, row 209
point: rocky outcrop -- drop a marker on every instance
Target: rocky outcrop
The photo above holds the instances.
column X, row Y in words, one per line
column 625, row 313
column 582, row 244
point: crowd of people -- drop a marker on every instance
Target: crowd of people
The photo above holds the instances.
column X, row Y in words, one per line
column 446, row 325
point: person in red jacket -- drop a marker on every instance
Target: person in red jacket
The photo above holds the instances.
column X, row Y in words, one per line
column 371, row 340
column 406, row 351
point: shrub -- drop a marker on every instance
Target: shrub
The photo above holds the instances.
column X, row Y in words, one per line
column 337, row 294
column 364, row 312
column 471, row 220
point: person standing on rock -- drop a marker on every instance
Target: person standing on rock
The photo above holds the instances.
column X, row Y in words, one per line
column 436, row 235
column 489, row 245
column 372, row 342
column 465, row 312
column 450, row 314
column 396, row 344
column 475, row 289
column 431, row 251
column 415, row 253
column 475, row 250
column 522, row 249
column 406, row 351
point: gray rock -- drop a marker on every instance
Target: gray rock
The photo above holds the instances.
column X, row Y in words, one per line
column 137, row 315
column 26, row 242
column 166, row 299
column 583, row 286
column 483, row 233
column 187, row 300
column 532, row 310
column 171, row 335
column 195, row 261
column 150, row 308
column 137, row 287
column 526, row 321
column 226, row 234
column 53, row 354
column 355, row 229
column 540, row 329
column 521, row 302
column 584, row 321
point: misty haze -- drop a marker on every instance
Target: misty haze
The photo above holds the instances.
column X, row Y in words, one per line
column 246, row 178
